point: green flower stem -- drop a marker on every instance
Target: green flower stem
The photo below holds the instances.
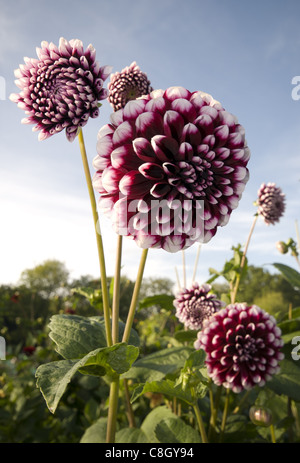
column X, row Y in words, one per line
column 130, row 415
column 200, row 423
column 235, row 290
column 225, row 414
column 135, row 296
column 273, row 438
column 106, row 308
column 114, row 387
column 112, row 411
column 116, row 293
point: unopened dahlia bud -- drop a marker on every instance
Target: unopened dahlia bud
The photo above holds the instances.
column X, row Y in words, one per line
column 242, row 345
column 282, row 247
column 260, row 416
column 129, row 84
column 196, row 304
column 271, row 203
column 61, row 89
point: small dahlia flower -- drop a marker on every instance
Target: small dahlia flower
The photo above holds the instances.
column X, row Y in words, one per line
column 61, row 89
column 129, row 84
column 242, row 345
column 171, row 167
column 196, row 304
column 271, row 203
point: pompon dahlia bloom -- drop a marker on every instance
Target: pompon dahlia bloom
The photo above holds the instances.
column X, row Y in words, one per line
column 61, row 89
column 129, row 84
column 271, row 203
column 171, row 167
column 196, row 304
column 242, row 345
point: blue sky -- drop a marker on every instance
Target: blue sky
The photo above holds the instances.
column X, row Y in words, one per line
column 245, row 54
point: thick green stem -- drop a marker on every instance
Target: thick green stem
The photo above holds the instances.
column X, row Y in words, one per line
column 272, row 431
column 225, row 414
column 135, row 296
column 130, row 415
column 116, row 292
column 200, row 423
column 105, row 297
column 114, row 387
column 112, row 411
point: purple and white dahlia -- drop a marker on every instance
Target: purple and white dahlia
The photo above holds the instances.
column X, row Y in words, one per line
column 196, row 304
column 242, row 345
column 61, row 89
column 171, row 167
column 129, row 84
column 271, row 203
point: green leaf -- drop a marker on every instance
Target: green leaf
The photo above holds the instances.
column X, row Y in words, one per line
column 76, row 336
column 156, row 366
column 131, row 436
column 164, row 300
column 153, row 418
column 287, row 381
column 175, row 431
column 289, row 329
column 53, row 378
column 166, row 387
column 186, row 335
column 95, row 434
column 290, row 274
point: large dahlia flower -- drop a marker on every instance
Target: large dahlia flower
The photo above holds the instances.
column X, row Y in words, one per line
column 171, row 167
column 61, row 89
column 129, row 84
column 196, row 304
column 271, row 203
column 242, row 345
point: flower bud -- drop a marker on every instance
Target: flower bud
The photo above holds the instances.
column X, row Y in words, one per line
column 282, row 247
column 260, row 416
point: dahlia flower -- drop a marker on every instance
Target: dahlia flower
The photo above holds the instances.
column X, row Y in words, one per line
column 127, row 85
column 194, row 305
column 242, row 345
column 170, row 168
column 61, row 89
column 270, row 202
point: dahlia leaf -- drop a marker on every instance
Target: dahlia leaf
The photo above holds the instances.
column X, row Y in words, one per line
column 53, row 378
column 156, row 366
column 287, row 382
column 131, row 436
column 153, row 418
column 175, row 430
column 76, row 336
column 165, row 387
column 165, row 301
column 96, row 433
column 290, row 274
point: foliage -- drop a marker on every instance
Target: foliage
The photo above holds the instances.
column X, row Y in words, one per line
column 57, row 391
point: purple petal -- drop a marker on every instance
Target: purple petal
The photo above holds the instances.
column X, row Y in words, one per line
column 173, row 124
column 124, row 133
column 185, row 108
column 166, row 148
column 134, row 184
column 149, row 124
column 152, row 171
column 143, row 149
